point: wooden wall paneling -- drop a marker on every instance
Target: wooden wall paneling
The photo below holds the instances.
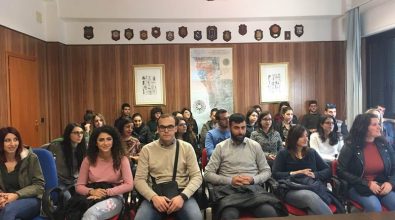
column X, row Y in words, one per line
column 4, row 104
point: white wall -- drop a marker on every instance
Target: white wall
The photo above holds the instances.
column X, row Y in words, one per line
column 377, row 16
column 20, row 15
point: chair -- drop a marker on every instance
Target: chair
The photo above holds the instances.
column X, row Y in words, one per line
column 340, row 189
column 48, row 167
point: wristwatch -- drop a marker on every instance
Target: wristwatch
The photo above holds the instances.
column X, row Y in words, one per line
column 184, row 197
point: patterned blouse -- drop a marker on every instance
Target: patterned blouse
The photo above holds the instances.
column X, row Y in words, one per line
column 270, row 142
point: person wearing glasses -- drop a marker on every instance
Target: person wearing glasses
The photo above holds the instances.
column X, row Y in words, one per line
column 342, row 130
column 156, row 162
column 325, row 141
column 185, row 133
column 219, row 134
column 69, row 153
column 267, row 137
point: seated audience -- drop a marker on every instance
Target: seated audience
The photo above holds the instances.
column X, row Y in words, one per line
column 69, row 153
column 96, row 122
column 367, row 163
column 105, row 163
column 187, row 115
column 238, row 179
column 311, row 119
column 325, row 141
column 185, row 133
column 125, row 113
column 251, row 119
column 130, row 144
column 258, row 108
column 218, row 134
column 279, row 116
column 210, row 124
column 267, row 137
column 21, row 179
column 156, row 112
column 379, row 116
column 342, row 130
column 177, row 114
column 286, row 124
column 141, row 131
column 156, row 164
column 297, row 161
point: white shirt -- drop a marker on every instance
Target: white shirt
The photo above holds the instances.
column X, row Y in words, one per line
column 324, row 149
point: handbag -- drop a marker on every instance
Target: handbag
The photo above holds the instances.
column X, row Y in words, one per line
column 170, row 188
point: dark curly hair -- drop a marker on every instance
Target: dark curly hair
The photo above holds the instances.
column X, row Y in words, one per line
column 67, row 148
column 294, row 134
column 154, row 110
column 122, row 123
column 359, row 129
column 117, row 151
column 333, row 137
column 260, row 118
column 3, row 132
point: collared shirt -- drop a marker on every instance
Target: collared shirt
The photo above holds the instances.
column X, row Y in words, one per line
column 270, row 142
column 230, row 159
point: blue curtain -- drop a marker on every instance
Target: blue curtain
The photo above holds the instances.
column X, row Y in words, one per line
column 354, row 77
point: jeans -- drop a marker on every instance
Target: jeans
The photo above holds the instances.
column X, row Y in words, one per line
column 190, row 210
column 306, row 199
column 21, row 209
column 373, row 203
column 261, row 211
column 105, row 209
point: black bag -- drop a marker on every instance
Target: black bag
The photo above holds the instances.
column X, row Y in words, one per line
column 54, row 201
column 168, row 189
column 201, row 196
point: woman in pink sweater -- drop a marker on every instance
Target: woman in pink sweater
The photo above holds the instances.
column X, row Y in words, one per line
column 105, row 162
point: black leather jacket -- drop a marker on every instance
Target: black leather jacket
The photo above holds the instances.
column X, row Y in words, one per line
column 351, row 163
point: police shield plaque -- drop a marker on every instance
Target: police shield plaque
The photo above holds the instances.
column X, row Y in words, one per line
column 143, row 35
column 88, row 32
column 299, row 30
column 212, row 33
column 115, row 35
column 129, row 33
column 227, row 35
column 170, row 35
column 197, row 35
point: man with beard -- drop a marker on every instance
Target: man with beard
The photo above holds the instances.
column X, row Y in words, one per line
column 237, row 169
column 218, row 134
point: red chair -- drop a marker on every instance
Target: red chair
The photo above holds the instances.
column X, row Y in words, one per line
column 204, row 158
column 343, row 192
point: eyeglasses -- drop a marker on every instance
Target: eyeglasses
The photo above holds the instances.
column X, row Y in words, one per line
column 267, row 119
column 163, row 128
column 78, row 132
column 183, row 124
column 329, row 123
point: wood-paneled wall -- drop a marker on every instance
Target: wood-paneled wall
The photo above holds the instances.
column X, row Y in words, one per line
column 99, row 77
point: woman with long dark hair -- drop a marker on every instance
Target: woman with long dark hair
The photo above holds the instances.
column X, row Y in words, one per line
column 185, row 133
column 21, row 178
column 69, row 153
column 187, row 115
column 105, row 162
column 298, row 160
column 367, row 163
column 251, row 121
column 141, row 130
column 326, row 141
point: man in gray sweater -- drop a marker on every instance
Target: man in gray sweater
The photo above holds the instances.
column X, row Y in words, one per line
column 238, row 165
column 156, row 161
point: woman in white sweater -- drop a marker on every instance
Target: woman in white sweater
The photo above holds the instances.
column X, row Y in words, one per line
column 325, row 141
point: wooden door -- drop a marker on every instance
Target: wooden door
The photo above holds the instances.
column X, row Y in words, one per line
column 24, row 98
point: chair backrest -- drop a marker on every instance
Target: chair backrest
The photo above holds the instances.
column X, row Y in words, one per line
column 48, row 166
column 204, row 158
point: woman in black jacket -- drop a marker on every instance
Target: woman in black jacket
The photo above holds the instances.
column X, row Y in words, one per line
column 367, row 163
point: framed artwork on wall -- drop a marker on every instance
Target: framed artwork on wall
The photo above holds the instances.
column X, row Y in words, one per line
column 149, row 84
column 273, row 82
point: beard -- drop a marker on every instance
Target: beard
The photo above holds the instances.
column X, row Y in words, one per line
column 237, row 138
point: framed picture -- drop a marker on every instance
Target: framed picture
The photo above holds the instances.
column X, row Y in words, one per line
column 273, row 82
column 149, row 84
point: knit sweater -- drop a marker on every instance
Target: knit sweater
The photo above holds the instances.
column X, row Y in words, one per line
column 157, row 160
column 103, row 171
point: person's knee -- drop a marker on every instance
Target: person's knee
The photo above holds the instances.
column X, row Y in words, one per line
column 230, row 213
column 265, row 210
column 371, row 205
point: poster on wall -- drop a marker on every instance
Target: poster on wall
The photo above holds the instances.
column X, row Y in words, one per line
column 211, row 81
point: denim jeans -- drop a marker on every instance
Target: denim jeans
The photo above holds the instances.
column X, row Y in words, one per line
column 21, row 209
column 190, row 210
column 105, row 209
column 306, row 199
column 373, row 203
